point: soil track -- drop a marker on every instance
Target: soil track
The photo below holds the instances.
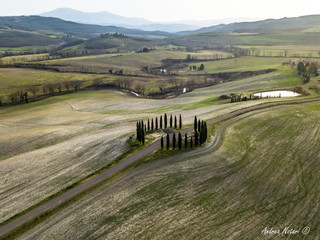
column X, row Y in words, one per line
column 149, row 149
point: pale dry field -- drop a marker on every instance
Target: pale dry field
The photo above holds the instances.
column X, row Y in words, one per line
column 264, row 175
column 48, row 145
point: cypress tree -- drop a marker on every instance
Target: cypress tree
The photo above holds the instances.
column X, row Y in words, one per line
column 180, row 141
column 196, row 139
column 161, row 142
column 165, row 121
column 152, row 127
column 180, row 122
column 201, row 137
column 185, row 140
column 148, row 125
column 174, row 140
column 199, row 125
column 138, row 131
column 142, row 135
column 168, row 141
column 191, row 142
column 145, row 128
column 156, row 123
column 195, row 123
column 161, row 122
column 171, row 121
column 175, row 122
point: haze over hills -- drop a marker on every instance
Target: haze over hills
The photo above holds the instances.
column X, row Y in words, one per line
column 109, row 19
column 106, row 19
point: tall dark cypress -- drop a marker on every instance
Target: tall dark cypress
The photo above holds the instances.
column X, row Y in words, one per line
column 195, row 123
column 199, row 125
column 138, row 131
column 142, row 135
column 156, row 123
column 161, row 142
column 186, row 140
column 191, row 142
column 200, row 137
column 168, row 141
column 171, row 121
column 165, row 120
column 148, row 125
column 196, row 139
column 174, row 140
column 145, row 128
column 175, row 122
column 161, row 122
column 152, row 126
column 179, row 141
column 180, row 122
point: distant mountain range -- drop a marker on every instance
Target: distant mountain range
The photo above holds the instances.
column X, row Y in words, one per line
column 110, row 19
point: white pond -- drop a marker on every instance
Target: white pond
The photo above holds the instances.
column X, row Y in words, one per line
column 275, row 94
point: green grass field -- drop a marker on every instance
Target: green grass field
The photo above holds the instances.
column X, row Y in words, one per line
column 133, row 62
column 238, row 65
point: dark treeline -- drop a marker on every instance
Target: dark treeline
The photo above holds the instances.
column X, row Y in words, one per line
column 157, row 123
column 199, row 136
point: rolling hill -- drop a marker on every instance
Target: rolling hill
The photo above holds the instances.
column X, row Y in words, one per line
column 309, row 23
column 48, row 30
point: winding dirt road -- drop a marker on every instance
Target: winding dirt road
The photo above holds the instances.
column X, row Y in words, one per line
column 11, row 226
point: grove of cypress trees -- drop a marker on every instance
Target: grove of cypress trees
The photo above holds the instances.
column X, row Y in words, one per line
column 152, row 126
column 161, row 122
column 161, row 142
column 165, row 120
column 185, row 140
column 180, row 122
column 168, row 141
column 148, row 125
column 179, row 141
column 156, row 123
column 174, row 140
column 171, row 121
column 195, row 123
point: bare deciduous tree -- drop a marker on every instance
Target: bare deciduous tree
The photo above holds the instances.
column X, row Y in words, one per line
column 33, row 89
column 76, row 84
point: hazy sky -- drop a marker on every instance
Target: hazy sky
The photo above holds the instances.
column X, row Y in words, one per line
column 171, row 10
